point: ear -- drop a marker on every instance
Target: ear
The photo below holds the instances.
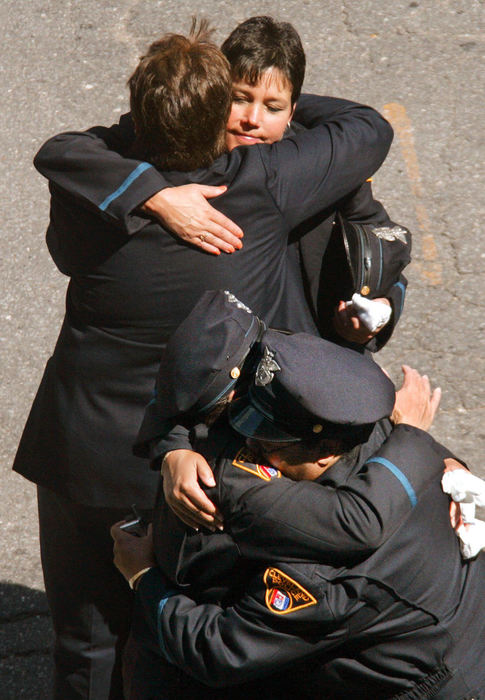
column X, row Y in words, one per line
column 326, row 462
column 291, row 114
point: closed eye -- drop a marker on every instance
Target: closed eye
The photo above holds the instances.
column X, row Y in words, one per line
column 274, row 108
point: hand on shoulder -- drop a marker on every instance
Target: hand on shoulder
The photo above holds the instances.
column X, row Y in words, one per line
column 415, row 404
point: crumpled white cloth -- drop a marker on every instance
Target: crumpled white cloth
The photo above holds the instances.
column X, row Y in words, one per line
column 469, row 491
column 373, row 314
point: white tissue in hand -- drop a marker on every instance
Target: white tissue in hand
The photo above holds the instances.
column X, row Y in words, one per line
column 472, row 538
column 373, row 314
column 467, row 511
column 464, row 487
column 469, row 491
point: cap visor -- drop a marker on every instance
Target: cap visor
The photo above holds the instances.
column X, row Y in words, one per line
column 250, row 422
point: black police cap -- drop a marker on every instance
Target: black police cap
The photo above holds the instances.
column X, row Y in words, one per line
column 376, row 255
column 305, row 386
column 201, row 363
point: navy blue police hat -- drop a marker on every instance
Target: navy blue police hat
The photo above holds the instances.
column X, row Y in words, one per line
column 202, row 362
column 305, row 386
column 376, row 255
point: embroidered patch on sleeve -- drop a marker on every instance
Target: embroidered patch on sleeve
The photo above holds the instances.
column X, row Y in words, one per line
column 283, row 594
column 245, row 460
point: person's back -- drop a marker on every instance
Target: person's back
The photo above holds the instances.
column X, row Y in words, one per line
column 126, row 297
column 409, row 619
column 414, row 613
column 142, row 286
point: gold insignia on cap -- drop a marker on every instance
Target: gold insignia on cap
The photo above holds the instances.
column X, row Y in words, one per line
column 235, row 372
column 317, row 428
column 365, row 290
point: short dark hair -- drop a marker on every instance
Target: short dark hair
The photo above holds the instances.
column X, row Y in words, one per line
column 341, row 443
column 260, row 43
column 180, row 97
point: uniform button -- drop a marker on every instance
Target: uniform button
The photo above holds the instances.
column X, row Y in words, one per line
column 365, row 290
column 235, row 372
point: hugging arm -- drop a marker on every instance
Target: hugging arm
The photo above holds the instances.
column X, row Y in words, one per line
column 334, row 520
column 225, row 646
column 184, row 472
column 346, row 514
column 94, row 167
column 91, row 166
column 344, row 143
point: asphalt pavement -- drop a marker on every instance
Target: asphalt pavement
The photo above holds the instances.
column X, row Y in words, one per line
column 64, row 66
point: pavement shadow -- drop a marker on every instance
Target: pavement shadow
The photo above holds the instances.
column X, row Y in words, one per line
column 26, row 641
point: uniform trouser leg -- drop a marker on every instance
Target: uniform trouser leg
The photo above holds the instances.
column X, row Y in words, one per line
column 90, row 602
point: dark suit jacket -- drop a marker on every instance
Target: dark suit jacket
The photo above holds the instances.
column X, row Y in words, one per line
column 127, row 294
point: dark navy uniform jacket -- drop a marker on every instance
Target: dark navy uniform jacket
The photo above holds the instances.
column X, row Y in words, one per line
column 401, row 618
column 127, row 294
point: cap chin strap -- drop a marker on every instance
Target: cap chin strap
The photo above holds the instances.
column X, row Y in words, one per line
column 207, row 407
column 261, row 330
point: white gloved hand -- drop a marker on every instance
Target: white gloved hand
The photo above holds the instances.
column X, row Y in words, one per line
column 464, row 487
column 472, row 538
column 373, row 314
column 469, row 491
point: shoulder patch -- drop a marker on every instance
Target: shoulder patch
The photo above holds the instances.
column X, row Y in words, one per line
column 283, row 594
column 245, row 460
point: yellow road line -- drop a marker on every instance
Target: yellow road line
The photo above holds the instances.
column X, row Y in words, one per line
column 397, row 115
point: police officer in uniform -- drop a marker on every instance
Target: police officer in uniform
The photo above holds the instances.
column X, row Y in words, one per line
column 277, row 593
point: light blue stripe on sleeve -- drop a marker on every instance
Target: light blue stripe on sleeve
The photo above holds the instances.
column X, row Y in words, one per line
column 381, row 258
column 161, row 641
column 124, row 186
column 403, row 290
column 399, row 475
